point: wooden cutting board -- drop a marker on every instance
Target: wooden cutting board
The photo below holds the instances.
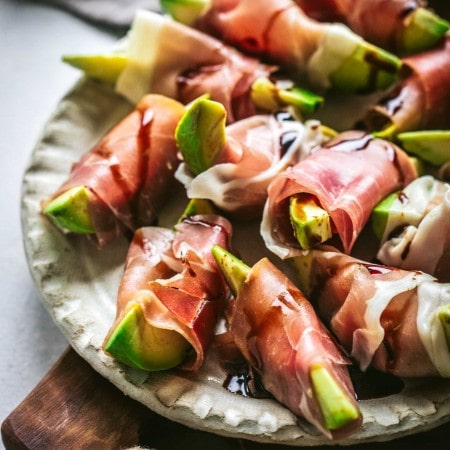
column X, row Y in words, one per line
column 73, row 407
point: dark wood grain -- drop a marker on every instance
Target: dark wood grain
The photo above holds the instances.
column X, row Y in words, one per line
column 73, row 407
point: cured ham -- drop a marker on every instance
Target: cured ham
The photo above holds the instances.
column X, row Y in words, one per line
column 129, row 173
column 173, row 278
column 256, row 149
column 421, row 101
column 417, row 233
column 382, row 22
column 347, row 177
column 383, row 316
column 279, row 334
column 174, row 60
column 283, row 34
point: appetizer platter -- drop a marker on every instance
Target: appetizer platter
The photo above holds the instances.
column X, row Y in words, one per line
column 252, row 237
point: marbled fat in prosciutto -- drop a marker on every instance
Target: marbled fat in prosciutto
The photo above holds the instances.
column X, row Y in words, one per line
column 129, row 173
column 422, row 100
column 173, row 276
column 383, row 316
column 278, row 332
column 257, row 149
column 378, row 21
column 175, row 60
column 280, row 32
column 348, row 176
column 417, row 233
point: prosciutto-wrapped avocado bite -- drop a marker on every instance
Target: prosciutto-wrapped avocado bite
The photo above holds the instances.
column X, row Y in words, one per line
column 331, row 194
column 401, row 26
column 395, row 320
column 326, row 55
column 413, row 226
column 419, row 102
column 165, row 57
column 232, row 165
column 123, row 181
column 171, row 295
column 279, row 334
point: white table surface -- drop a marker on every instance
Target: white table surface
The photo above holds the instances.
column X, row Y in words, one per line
column 32, row 80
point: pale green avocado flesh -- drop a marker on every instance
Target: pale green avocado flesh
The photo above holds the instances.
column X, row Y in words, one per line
column 380, row 214
column 234, row 270
column 70, row 210
column 103, row 67
column 310, row 222
column 444, row 317
column 198, row 206
column 200, row 134
column 185, row 11
column 423, row 29
column 432, row 146
column 270, row 96
column 337, row 408
column 136, row 343
column 368, row 69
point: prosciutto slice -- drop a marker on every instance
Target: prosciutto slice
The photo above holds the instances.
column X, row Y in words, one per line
column 278, row 332
column 130, row 171
column 383, row 316
column 417, row 234
column 422, row 100
column 378, row 21
column 257, row 149
column 174, row 278
column 348, row 176
column 280, row 32
column 177, row 61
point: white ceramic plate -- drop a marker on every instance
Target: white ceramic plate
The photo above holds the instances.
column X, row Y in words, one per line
column 78, row 285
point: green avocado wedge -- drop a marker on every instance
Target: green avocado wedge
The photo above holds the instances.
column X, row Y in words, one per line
column 380, row 215
column 200, row 134
column 367, row 69
column 270, row 96
column 336, row 407
column 102, row 67
column 70, row 210
column 422, row 30
column 138, row 344
column 185, row 11
column 310, row 222
column 432, row 146
column 444, row 317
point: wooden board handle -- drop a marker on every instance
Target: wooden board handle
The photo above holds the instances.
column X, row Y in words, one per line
column 73, row 407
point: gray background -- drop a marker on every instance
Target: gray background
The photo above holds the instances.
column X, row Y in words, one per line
column 33, row 37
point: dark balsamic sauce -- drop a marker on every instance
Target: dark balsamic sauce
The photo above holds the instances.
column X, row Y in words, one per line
column 373, row 384
column 358, row 143
column 286, row 140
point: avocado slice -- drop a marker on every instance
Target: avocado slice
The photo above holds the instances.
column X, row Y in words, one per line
column 200, row 134
column 198, row 206
column 70, row 210
column 432, row 146
column 311, row 223
column 367, row 69
column 270, row 96
column 423, row 29
column 185, row 11
column 302, row 266
column 337, row 409
column 234, row 270
column 102, row 67
column 380, row 214
column 444, row 317
column 138, row 344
